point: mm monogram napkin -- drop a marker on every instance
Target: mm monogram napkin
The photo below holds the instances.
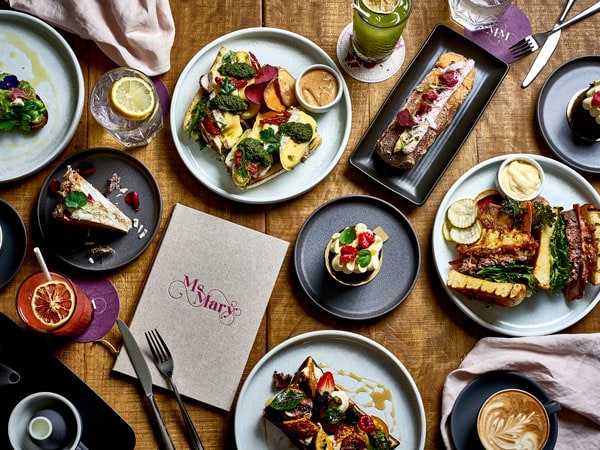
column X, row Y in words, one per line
column 206, row 293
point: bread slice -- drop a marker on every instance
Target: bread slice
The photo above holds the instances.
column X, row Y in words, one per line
column 301, row 411
column 98, row 212
column 503, row 294
column 400, row 145
column 591, row 215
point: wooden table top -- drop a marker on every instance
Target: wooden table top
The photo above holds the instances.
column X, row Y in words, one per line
column 427, row 332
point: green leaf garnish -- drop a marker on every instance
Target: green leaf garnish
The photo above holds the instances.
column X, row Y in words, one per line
column 334, row 416
column 286, row 400
column 348, row 235
column 75, row 199
column 364, row 257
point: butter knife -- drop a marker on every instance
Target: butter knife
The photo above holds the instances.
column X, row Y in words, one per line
column 547, row 49
column 143, row 372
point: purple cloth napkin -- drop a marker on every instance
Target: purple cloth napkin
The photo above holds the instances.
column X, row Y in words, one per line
column 133, row 33
column 567, row 366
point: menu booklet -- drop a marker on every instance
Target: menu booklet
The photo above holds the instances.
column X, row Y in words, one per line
column 206, row 294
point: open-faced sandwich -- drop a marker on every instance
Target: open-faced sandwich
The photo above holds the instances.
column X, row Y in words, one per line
column 81, row 204
column 316, row 414
column 20, row 107
column 247, row 114
column 427, row 111
column 507, row 250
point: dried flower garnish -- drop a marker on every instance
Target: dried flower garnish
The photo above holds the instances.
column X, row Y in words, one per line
column 85, row 169
column 133, row 199
column 114, row 183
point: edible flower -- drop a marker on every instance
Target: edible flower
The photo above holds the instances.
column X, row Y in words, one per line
column 9, row 81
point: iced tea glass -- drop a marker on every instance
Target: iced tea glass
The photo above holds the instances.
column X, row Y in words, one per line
column 130, row 133
column 377, row 26
column 54, row 306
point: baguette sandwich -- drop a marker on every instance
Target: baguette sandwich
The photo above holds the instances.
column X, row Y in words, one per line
column 316, row 414
column 428, row 110
column 233, row 113
column 20, row 107
column 81, row 204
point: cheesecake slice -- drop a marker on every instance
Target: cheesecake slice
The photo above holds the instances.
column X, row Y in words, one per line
column 81, row 204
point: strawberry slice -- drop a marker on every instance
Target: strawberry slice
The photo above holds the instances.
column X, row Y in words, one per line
column 326, row 383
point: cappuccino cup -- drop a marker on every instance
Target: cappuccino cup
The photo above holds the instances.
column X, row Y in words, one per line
column 513, row 418
column 45, row 421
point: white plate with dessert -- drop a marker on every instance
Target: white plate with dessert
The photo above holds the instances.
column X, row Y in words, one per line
column 361, row 365
column 388, row 288
column 557, row 92
column 113, row 227
column 33, row 51
column 278, row 48
column 542, row 313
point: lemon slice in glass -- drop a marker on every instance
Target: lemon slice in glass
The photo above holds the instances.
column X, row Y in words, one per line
column 132, row 98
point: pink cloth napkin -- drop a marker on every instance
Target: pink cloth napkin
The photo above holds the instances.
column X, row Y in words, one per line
column 566, row 366
column 133, row 33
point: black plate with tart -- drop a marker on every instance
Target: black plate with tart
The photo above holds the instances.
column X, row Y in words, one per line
column 13, row 242
column 556, row 93
column 70, row 246
column 25, row 353
column 384, row 292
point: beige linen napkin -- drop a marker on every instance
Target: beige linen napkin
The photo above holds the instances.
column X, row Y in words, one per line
column 567, row 366
column 133, row 33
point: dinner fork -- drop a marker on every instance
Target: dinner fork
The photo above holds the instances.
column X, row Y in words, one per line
column 164, row 362
column 532, row 43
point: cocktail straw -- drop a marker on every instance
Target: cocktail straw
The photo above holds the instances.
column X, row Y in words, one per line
column 42, row 263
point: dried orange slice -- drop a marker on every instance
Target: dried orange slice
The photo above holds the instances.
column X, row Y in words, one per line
column 53, row 302
column 132, row 98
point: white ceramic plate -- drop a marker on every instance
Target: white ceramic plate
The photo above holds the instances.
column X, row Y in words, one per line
column 542, row 313
column 34, row 51
column 278, row 48
column 358, row 363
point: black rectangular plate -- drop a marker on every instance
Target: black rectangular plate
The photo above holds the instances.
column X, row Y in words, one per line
column 29, row 355
column 417, row 183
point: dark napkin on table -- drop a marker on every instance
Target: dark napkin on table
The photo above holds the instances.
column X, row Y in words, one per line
column 133, row 33
column 566, row 366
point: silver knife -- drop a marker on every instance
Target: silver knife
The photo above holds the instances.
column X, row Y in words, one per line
column 143, row 372
column 547, row 49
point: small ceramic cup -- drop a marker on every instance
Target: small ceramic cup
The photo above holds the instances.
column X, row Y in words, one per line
column 46, row 421
column 319, row 88
column 520, row 178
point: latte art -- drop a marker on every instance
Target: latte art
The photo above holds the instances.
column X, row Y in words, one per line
column 513, row 420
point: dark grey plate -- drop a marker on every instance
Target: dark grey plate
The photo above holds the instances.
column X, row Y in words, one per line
column 14, row 245
column 417, row 183
column 463, row 420
column 561, row 85
column 69, row 246
column 400, row 264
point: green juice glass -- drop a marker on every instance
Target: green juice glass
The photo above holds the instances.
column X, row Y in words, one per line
column 377, row 26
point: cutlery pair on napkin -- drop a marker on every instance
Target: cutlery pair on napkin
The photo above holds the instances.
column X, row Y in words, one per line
column 547, row 41
column 164, row 362
column 566, row 366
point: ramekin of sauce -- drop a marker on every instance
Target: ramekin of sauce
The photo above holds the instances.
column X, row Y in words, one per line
column 520, row 178
column 319, row 88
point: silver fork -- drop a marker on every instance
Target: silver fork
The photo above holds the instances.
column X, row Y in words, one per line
column 533, row 42
column 164, row 362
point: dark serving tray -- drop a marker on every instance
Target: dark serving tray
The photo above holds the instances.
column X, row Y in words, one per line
column 40, row 371
column 417, row 183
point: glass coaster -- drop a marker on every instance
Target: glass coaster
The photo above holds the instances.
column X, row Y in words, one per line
column 105, row 301
column 510, row 29
column 364, row 71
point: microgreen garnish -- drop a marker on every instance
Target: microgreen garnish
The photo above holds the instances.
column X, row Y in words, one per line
column 75, row 199
column 272, row 140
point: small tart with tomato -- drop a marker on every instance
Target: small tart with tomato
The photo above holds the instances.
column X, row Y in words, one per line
column 354, row 256
column 316, row 414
